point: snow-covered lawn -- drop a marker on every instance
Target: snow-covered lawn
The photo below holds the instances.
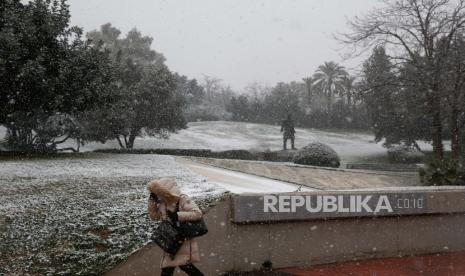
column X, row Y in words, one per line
column 218, row 136
column 233, row 135
column 81, row 215
column 84, row 214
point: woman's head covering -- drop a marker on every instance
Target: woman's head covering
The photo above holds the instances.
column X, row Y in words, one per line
column 165, row 188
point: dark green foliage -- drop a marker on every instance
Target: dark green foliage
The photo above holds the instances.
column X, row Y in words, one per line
column 405, row 155
column 189, row 89
column 46, row 71
column 176, row 152
column 329, row 100
column 443, row 173
column 274, row 156
column 148, row 98
column 395, row 103
column 211, row 101
column 240, row 109
column 236, row 154
column 318, row 154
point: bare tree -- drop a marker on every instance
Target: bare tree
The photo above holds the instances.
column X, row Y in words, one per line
column 411, row 30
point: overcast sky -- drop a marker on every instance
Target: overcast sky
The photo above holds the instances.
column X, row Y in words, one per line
column 239, row 41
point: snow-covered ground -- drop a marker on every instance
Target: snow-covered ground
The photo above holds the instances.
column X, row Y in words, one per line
column 84, row 214
column 234, row 135
column 55, row 214
column 351, row 146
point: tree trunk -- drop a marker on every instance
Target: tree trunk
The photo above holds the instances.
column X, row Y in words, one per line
column 455, row 132
column 78, row 144
column 415, row 144
column 309, row 93
column 436, row 127
column 330, row 98
column 461, row 157
column 119, row 142
column 132, row 138
column 20, row 138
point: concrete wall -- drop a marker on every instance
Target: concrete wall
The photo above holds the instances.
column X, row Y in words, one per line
column 244, row 247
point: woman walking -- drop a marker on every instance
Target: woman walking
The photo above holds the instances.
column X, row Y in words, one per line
column 167, row 203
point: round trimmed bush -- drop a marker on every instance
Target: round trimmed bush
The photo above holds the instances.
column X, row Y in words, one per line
column 317, row 154
column 405, row 154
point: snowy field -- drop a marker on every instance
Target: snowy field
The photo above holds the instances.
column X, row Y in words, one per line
column 81, row 215
column 218, row 136
column 84, row 214
column 233, row 135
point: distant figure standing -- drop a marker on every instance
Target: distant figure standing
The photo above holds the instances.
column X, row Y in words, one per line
column 288, row 130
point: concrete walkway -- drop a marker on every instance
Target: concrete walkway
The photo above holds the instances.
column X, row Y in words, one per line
column 238, row 182
column 315, row 177
column 451, row 264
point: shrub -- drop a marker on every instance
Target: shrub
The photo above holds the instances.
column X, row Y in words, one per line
column 236, row 154
column 405, row 154
column 443, row 173
column 176, row 152
column 318, row 154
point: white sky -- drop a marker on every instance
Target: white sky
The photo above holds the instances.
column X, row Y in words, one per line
column 239, row 41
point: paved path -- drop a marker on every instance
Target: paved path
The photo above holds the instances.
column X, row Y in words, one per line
column 315, row 177
column 451, row 264
column 238, row 182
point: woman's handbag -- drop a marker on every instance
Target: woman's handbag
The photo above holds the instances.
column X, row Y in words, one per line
column 191, row 229
column 168, row 237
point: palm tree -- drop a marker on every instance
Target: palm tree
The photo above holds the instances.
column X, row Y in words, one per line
column 329, row 77
column 348, row 83
column 309, row 84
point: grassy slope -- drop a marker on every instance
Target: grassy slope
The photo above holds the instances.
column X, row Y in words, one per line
column 232, row 135
column 352, row 146
column 80, row 215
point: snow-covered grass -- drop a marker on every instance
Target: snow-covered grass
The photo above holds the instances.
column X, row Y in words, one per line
column 234, row 135
column 81, row 215
column 351, row 146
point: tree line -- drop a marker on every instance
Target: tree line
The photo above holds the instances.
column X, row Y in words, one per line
column 327, row 99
